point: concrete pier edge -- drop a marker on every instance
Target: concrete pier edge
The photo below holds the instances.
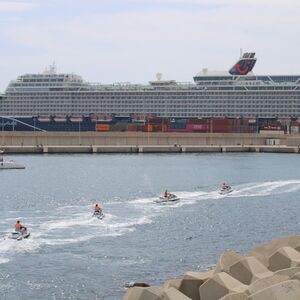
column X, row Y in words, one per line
column 148, row 149
column 143, row 142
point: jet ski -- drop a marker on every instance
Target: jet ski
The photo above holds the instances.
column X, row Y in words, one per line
column 170, row 198
column 226, row 190
column 99, row 215
column 18, row 235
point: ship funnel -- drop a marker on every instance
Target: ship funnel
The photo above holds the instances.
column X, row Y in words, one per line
column 244, row 65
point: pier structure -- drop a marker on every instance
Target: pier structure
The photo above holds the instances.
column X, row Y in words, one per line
column 141, row 142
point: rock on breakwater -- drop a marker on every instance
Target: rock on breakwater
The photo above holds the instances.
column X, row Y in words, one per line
column 269, row 271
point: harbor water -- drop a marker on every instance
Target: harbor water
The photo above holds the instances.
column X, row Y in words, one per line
column 71, row 255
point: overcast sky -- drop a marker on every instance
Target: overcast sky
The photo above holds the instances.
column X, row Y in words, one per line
column 131, row 40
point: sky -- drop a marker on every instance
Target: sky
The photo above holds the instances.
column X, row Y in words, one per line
column 131, row 40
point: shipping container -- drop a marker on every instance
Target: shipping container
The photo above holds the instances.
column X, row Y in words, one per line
column 243, row 129
column 252, row 121
column 102, row 127
column 139, row 127
column 198, row 127
column 198, row 121
column 184, row 121
column 120, row 126
column 153, row 121
column 131, row 127
column 271, row 127
column 148, row 128
column 178, row 130
column 177, row 125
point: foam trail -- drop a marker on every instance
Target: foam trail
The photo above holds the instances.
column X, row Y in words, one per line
column 61, row 229
column 267, row 188
column 256, row 189
column 67, row 225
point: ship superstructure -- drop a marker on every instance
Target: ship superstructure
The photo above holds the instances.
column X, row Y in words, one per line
column 233, row 94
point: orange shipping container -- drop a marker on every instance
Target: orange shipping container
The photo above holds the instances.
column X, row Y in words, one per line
column 148, row 128
column 132, row 127
column 102, row 127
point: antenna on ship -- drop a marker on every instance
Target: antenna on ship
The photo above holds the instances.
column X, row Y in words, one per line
column 158, row 76
column 52, row 68
column 241, row 52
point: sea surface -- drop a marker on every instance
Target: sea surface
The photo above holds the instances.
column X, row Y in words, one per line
column 72, row 255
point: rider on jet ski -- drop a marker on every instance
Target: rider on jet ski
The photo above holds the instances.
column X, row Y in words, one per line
column 225, row 186
column 18, row 226
column 166, row 194
column 98, row 209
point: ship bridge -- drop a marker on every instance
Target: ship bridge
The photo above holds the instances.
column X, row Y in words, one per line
column 44, row 82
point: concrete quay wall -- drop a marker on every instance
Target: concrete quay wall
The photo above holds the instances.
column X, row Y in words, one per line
column 142, row 142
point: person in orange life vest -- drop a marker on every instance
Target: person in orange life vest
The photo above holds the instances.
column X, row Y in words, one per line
column 18, row 226
column 98, row 209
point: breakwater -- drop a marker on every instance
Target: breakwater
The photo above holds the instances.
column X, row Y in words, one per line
column 140, row 142
column 270, row 271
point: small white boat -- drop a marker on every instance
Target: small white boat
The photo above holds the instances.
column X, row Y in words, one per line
column 10, row 164
column 226, row 190
column 170, row 198
column 99, row 215
column 17, row 235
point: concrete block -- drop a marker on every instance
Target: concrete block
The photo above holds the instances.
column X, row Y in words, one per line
column 228, row 259
column 290, row 272
column 139, row 293
column 248, row 269
column 175, row 283
column 235, row 296
column 263, row 283
column 191, row 282
column 296, row 276
column 263, row 252
column 172, row 294
column 199, row 275
column 220, row 285
column 287, row 290
column 285, row 257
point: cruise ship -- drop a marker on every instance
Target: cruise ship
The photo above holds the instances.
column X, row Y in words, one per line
column 52, row 101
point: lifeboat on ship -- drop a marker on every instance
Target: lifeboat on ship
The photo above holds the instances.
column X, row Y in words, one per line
column 105, row 118
column 44, row 118
column 76, row 118
column 60, row 118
